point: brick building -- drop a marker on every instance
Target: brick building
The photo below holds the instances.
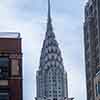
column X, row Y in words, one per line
column 10, row 66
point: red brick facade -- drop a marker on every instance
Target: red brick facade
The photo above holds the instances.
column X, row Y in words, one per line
column 11, row 48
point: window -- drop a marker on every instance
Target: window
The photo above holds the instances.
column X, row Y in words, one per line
column 46, row 58
column 97, row 69
column 59, row 58
column 59, row 88
column 14, row 67
column 97, row 60
column 4, row 68
column 98, row 88
column 59, row 92
column 49, row 49
column 59, row 80
column 4, row 93
column 54, row 49
column 55, row 99
column 49, row 80
column 4, row 96
column 90, row 9
column 49, row 91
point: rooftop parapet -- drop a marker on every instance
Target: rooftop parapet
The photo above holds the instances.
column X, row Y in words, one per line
column 10, row 42
column 9, row 35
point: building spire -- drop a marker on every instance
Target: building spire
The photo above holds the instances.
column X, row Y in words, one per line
column 49, row 23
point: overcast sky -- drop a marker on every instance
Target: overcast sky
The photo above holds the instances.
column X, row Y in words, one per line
column 29, row 17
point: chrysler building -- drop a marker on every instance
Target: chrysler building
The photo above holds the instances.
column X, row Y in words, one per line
column 51, row 77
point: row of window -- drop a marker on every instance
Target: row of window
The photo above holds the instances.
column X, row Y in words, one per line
column 50, row 35
column 98, row 89
column 4, row 68
column 54, row 95
column 53, row 64
column 4, row 97
column 4, row 93
column 55, row 87
column 53, row 56
column 55, row 77
column 90, row 9
column 52, row 49
column 54, row 92
column 50, row 42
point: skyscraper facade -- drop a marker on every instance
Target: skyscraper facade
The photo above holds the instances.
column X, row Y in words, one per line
column 92, row 46
column 97, row 86
column 51, row 76
column 10, row 66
